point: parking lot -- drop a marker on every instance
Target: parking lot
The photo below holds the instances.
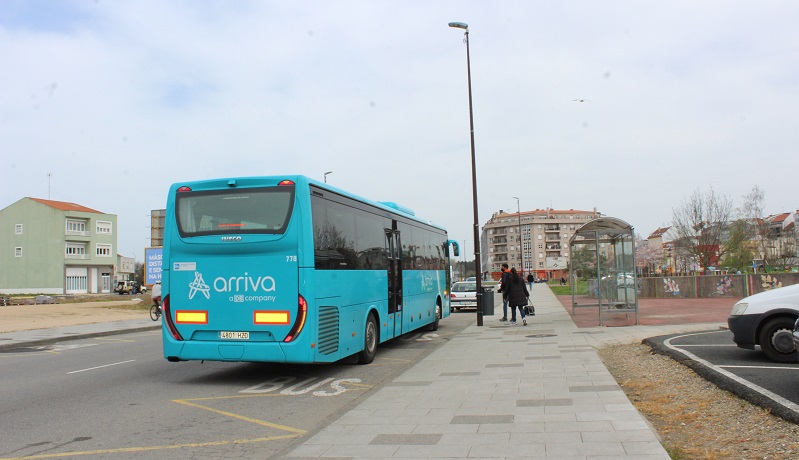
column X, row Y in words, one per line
column 748, row 374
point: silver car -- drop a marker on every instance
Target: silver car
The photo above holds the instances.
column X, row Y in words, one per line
column 463, row 295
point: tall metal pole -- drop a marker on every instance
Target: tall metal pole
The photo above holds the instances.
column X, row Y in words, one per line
column 477, row 269
column 521, row 251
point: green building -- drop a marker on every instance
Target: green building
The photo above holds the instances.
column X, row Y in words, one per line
column 54, row 247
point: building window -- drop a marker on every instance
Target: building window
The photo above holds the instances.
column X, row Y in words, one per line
column 103, row 250
column 76, row 250
column 77, row 283
column 103, row 227
column 18, row 229
column 76, row 227
column 17, row 252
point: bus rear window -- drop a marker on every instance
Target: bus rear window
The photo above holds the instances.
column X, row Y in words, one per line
column 218, row 212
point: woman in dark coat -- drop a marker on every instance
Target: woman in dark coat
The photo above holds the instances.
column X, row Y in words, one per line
column 517, row 295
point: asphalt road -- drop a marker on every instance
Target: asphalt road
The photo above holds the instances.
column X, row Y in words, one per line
column 117, row 398
column 747, row 373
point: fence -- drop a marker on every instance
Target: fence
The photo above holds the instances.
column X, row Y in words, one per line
column 732, row 286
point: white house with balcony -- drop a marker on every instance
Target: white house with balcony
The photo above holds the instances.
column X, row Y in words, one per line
column 55, row 247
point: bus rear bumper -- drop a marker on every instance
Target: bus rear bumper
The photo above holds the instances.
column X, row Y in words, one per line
column 272, row 352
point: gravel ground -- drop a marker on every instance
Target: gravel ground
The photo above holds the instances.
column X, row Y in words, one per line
column 694, row 418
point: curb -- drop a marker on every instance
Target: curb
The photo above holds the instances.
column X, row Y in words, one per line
column 722, row 382
column 88, row 335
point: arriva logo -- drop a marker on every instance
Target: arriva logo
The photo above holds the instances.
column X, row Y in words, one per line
column 235, row 284
column 244, row 283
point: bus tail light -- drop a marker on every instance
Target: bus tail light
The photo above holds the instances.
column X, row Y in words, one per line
column 285, row 182
column 184, row 189
column 271, row 317
column 167, row 317
column 299, row 323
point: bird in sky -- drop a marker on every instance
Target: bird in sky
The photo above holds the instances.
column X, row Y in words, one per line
column 580, row 100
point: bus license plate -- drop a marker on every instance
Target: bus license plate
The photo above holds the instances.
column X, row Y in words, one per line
column 234, row 335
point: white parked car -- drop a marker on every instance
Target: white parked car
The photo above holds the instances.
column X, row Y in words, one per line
column 767, row 319
column 463, row 295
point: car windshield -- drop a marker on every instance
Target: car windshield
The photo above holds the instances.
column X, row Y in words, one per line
column 464, row 287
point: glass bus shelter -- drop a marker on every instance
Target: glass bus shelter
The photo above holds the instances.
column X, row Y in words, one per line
column 603, row 251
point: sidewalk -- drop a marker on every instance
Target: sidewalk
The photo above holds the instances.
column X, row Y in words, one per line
column 495, row 391
column 38, row 337
column 501, row 392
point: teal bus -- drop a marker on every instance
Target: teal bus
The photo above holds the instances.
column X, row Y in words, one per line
column 288, row 269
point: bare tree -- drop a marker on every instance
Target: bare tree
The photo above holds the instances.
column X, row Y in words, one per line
column 751, row 211
column 787, row 244
column 700, row 224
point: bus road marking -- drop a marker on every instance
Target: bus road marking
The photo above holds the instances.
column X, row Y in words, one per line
column 309, row 385
column 100, row 367
column 418, row 337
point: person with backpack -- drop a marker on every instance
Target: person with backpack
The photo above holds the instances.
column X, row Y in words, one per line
column 518, row 295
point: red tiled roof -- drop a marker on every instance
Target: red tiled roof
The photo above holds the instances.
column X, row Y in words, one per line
column 780, row 217
column 659, row 232
column 64, row 206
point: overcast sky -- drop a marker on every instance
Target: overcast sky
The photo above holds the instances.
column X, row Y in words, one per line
column 119, row 99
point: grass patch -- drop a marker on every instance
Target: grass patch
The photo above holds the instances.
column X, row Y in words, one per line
column 580, row 289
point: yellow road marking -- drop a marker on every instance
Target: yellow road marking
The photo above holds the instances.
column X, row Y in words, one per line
column 293, row 433
column 297, row 431
column 150, row 448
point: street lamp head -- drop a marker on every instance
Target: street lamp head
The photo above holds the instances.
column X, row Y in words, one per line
column 460, row 25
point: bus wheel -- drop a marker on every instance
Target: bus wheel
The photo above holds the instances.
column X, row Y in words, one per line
column 370, row 336
column 434, row 325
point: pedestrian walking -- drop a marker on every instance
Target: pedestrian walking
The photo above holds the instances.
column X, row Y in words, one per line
column 530, row 280
column 503, row 281
column 518, row 295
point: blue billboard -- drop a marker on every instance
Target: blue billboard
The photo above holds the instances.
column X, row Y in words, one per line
column 152, row 265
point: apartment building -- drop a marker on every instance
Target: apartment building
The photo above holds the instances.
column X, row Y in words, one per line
column 55, row 247
column 532, row 241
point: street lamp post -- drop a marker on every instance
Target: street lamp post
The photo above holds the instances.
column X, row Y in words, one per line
column 521, row 251
column 477, row 269
column 329, row 172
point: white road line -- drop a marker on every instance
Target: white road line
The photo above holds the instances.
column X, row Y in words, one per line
column 100, row 367
column 705, row 346
column 773, row 396
column 761, row 367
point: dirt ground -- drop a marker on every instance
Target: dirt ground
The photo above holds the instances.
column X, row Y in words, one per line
column 693, row 417
column 15, row 318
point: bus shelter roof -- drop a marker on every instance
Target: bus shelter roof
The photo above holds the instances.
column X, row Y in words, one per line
column 602, row 230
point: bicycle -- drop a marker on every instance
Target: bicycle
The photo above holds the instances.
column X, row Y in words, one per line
column 155, row 311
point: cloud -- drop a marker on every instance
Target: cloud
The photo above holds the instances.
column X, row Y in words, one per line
column 119, row 100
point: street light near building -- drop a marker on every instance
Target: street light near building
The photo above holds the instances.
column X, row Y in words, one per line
column 477, row 269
